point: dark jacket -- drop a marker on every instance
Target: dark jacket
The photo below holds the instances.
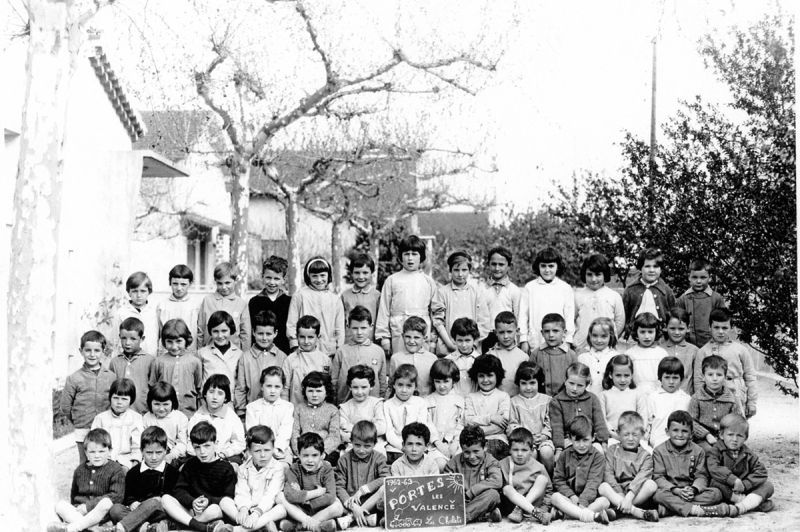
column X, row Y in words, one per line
column 725, row 469
column 579, row 474
column 564, row 409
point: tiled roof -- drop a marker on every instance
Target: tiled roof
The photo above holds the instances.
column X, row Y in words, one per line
column 452, row 225
column 175, row 133
column 129, row 117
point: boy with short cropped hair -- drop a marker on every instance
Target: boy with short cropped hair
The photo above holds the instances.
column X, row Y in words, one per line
column 711, row 402
column 736, row 471
column 555, row 356
column 309, row 494
column 224, row 298
column 357, row 350
column 133, row 363
column 203, row 482
column 178, row 305
column 360, row 473
column 680, row 472
column 741, row 374
column 668, row 398
column 482, row 476
column 123, row 423
column 415, row 353
column 465, row 334
column 304, row 360
column 699, row 300
column 511, row 356
column 415, row 462
column 500, row 293
column 273, row 298
column 262, row 355
column 648, row 293
column 362, row 294
column 139, row 288
column 144, row 486
column 86, row 391
column 526, row 485
column 97, row 484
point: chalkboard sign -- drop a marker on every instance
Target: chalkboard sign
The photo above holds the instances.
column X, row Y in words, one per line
column 422, row 502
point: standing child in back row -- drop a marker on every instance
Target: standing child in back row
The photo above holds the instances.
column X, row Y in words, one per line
column 544, row 295
column 178, row 305
column 363, row 294
column 317, row 299
column 273, row 298
column 699, row 300
column 500, row 293
column 649, row 293
column 225, row 277
column 596, row 300
column 139, row 288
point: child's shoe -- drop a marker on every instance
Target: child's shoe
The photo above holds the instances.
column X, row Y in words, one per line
column 218, row 526
column 516, row 515
column 287, row 525
column 371, row 519
column 765, row 506
column 57, row 527
column 601, row 517
column 495, row 516
column 650, row 516
column 612, row 515
column 544, row 518
column 733, row 510
column 344, row 522
column 109, row 528
column 271, row 527
column 718, row 510
column 556, row 514
column 327, row 526
column 662, row 511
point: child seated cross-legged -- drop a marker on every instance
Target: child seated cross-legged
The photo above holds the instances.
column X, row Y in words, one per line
column 681, row 474
column 628, row 482
column 414, row 353
column 97, row 485
column 309, row 493
column 526, row 485
column 482, row 476
column 736, row 471
column 317, row 414
column 446, row 407
column 578, row 474
column 668, row 398
column 415, row 462
column 259, row 480
column 359, row 475
column 163, row 404
column 144, row 486
column 218, row 411
column 711, row 402
column 362, row 406
column 530, row 410
column 203, row 482
column 489, row 407
column 273, row 411
column 122, row 423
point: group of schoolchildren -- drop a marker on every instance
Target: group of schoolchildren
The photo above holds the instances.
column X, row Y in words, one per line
column 203, row 421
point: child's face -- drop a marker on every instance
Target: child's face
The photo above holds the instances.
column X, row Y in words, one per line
column 721, row 331
column 180, row 287
column 714, row 379
column 92, row 354
column 698, row 279
column 651, row 271
column 498, row 267
column 670, row 382
column 215, row 399
column 261, row 453
column 319, row 281
column 594, row 280
column 139, row 296
column 443, row 386
column 582, row 445
column 599, row 337
column 459, row 274
column 153, row 454
column 414, row 448
column 621, row 376
column 679, row 434
column 487, row 381
column 97, row 454
column 528, row 388
column 265, row 336
column 361, row 330
column 474, row 454
column 315, row 396
column 225, row 285
column 273, row 281
column 410, row 260
column 404, row 389
column 553, row 334
column 307, row 339
column 734, row 438
column 575, row 385
column 362, row 449
column 130, row 341
column 547, row 271
column 520, row 452
column 362, row 276
column 646, row 336
column 629, row 437
column 676, row 331
column 161, row 409
column 414, row 341
column 359, row 389
column 506, row 334
column 271, row 389
column 465, row 344
column 221, row 334
column 120, row 404
column 205, row 452
column 175, row 346
column 310, row 458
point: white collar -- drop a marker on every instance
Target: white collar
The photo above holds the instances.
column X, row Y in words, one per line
column 160, row 467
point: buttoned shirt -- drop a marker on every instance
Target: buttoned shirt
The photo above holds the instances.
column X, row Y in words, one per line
column 230, row 432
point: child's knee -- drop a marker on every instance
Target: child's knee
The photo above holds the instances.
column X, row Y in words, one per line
column 508, row 490
column 337, row 507
column 104, row 504
column 546, row 453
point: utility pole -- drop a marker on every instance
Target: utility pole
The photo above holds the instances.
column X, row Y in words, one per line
column 650, row 194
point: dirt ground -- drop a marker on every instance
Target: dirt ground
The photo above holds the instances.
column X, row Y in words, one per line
column 773, row 435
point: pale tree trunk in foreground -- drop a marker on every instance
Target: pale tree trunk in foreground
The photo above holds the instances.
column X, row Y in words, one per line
column 292, row 222
column 336, row 253
column 53, row 50
column 240, row 197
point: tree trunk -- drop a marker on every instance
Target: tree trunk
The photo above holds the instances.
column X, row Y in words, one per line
column 240, row 198
column 53, row 50
column 292, row 222
column 336, row 254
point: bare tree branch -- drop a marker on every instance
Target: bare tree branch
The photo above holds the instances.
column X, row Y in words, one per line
column 330, row 76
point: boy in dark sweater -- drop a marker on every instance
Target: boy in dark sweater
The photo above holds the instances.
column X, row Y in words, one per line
column 145, row 483
column 309, row 493
column 274, row 299
column 360, row 473
column 97, row 485
column 202, row 483
column 482, row 476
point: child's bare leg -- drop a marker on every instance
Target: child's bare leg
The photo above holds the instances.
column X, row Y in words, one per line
column 441, row 462
column 570, row 509
column 371, row 503
column 177, row 512
column 614, row 498
column 547, row 458
column 600, row 504
column 296, row 513
column 331, row 512
column 96, row 516
column 273, row 515
column 67, row 512
column 229, row 508
column 649, row 489
column 211, row 513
